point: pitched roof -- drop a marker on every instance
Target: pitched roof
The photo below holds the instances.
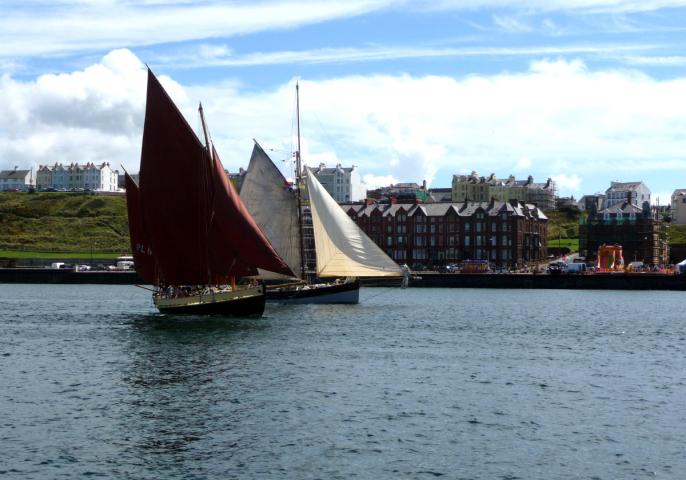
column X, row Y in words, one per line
column 465, row 209
column 623, row 186
column 12, row 174
column 623, row 208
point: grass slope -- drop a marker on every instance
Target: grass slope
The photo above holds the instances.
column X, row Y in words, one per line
column 676, row 234
column 563, row 228
column 63, row 222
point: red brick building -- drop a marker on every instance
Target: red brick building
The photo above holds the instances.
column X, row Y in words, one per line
column 507, row 234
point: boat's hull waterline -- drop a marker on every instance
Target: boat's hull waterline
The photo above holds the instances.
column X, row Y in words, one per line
column 333, row 293
column 243, row 302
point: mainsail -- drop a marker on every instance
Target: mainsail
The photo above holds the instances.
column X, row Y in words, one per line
column 199, row 231
column 343, row 249
column 140, row 242
column 272, row 202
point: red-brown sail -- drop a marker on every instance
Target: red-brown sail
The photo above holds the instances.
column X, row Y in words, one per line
column 140, row 244
column 246, row 251
column 198, row 231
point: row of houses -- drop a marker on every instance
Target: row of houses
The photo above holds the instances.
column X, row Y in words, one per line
column 472, row 187
column 91, row 176
column 506, row 234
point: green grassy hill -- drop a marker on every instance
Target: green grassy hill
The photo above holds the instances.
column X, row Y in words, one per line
column 63, row 222
column 676, row 234
column 563, row 228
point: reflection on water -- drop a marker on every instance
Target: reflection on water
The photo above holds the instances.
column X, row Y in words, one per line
column 408, row 384
column 179, row 370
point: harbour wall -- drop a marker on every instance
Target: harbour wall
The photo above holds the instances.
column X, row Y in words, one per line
column 67, row 276
column 596, row 281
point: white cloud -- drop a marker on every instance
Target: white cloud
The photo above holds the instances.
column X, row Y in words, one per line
column 661, row 61
column 39, row 28
column 372, row 181
column 568, row 182
column 581, row 6
column 559, row 118
column 222, row 56
column 512, row 24
column 70, row 26
column 90, row 115
column 523, row 164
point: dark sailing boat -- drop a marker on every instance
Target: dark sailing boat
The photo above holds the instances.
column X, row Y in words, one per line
column 191, row 236
column 342, row 249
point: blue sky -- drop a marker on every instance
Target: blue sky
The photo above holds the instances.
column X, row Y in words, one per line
column 583, row 91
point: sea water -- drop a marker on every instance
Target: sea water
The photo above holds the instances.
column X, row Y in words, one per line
column 416, row 383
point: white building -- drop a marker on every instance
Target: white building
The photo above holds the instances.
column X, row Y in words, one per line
column 78, row 177
column 474, row 188
column 618, row 193
column 679, row 207
column 344, row 184
column 20, row 180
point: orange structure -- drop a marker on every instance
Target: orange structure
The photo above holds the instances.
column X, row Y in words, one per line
column 610, row 258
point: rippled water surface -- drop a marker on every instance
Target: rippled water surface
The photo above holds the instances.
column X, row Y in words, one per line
column 417, row 383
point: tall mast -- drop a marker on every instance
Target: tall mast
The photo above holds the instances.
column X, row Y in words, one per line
column 210, row 155
column 206, row 133
column 298, row 181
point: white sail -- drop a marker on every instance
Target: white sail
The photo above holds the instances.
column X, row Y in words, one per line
column 273, row 204
column 343, row 249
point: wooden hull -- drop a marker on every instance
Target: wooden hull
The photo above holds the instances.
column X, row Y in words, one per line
column 342, row 293
column 244, row 302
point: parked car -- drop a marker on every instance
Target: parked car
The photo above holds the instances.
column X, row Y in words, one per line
column 576, row 268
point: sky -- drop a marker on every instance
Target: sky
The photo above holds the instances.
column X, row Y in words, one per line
column 582, row 91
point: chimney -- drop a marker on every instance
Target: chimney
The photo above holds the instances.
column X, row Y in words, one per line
column 423, row 184
column 394, row 200
column 628, row 197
